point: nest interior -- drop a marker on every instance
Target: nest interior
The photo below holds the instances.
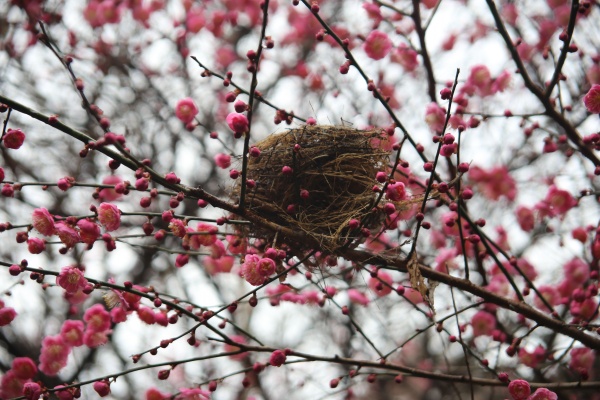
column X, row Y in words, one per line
column 336, row 165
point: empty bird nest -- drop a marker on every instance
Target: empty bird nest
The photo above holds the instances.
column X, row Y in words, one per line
column 316, row 179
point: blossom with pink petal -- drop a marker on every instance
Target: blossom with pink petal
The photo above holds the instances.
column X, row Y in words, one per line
column 97, row 318
column 525, row 218
column 195, row 20
column 592, row 99
column 89, row 231
column 186, row 110
column 256, row 270
column 237, row 123
column 43, row 221
column 109, row 216
column 102, row 388
column 556, row 203
column 231, row 348
column 377, row 45
column 519, row 389
column 94, row 339
column 358, row 297
column 67, row 234
column 223, row 160
column 435, row 117
column 71, row 332
column 36, row 245
column 396, row 191
column 24, row 367
column 543, row 394
column 109, row 194
column 54, row 355
column 207, row 236
column 177, row 227
column 71, row 279
column 277, row 358
column 481, row 79
column 483, row 323
column 13, row 138
column 382, row 284
column 582, row 359
column 193, row 394
column 494, row 182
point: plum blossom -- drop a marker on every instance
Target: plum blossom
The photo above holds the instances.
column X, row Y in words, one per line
column 396, row 191
column 377, row 45
column 277, row 358
column 36, row 245
column 543, row 394
column 381, row 284
column 519, row 389
column 89, row 231
column 525, row 218
column 358, row 297
column 223, row 160
column 109, row 216
column 592, row 99
column 97, row 318
column 556, row 203
column 483, row 323
column 186, row 110
column 582, row 359
column 71, row 279
column 237, row 123
column 72, row 332
column 43, row 221
column 110, row 194
column 24, row 368
column 256, row 270
column 435, row 117
column 67, row 234
column 54, row 355
column 13, row 138
column 495, row 182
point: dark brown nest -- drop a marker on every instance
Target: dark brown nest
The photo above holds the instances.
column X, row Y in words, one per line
column 336, row 165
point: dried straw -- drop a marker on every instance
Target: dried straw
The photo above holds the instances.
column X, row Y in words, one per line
column 335, row 164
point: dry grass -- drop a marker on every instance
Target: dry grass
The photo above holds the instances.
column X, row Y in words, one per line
column 335, row 164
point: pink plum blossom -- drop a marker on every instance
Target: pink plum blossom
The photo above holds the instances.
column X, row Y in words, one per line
column 237, row 123
column 223, row 160
column 109, row 216
column 396, row 191
column 43, row 221
column 356, row 296
column 543, row 394
column 110, row 194
column 435, row 117
column 483, row 323
column 256, row 270
column 97, row 318
column 13, row 138
column 277, row 358
column 592, row 99
column 71, row 279
column 24, row 367
column 519, row 389
column 382, row 284
column 89, row 231
column 67, row 234
column 582, row 359
column 377, row 45
column 72, row 332
column 36, row 245
column 186, row 110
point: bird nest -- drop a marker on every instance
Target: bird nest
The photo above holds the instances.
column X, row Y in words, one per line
column 317, row 179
